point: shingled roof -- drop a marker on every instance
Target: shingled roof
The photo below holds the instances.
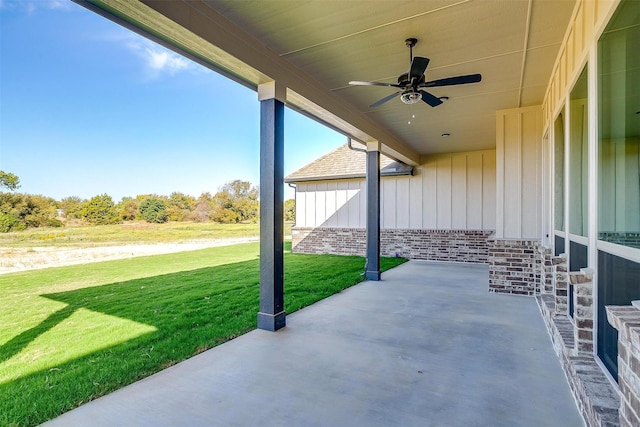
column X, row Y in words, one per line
column 344, row 163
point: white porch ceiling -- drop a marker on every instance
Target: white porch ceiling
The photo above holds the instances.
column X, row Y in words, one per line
column 325, row 44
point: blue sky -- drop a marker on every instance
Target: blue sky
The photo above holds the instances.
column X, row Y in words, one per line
column 88, row 107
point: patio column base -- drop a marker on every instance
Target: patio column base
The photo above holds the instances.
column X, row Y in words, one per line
column 271, row 322
column 372, row 275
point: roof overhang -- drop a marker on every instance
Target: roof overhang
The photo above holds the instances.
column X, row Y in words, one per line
column 312, row 49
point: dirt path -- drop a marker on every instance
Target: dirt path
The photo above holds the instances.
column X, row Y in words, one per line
column 12, row 260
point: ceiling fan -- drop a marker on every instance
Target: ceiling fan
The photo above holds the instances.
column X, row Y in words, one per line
column 412, row 83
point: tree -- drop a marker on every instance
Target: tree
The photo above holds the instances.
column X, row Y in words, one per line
column 100, row 210
column 72, row 206
column 20, row 211
column 12, row 208
column 128, row 208
column 180, row 206
column 9, row 181
column 237, row 201
column 41, row 211
column 202, row 211
column 181, row 200
column 290, row 210
column 153, row 210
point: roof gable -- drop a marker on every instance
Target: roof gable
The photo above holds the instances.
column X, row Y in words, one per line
column 344, row 163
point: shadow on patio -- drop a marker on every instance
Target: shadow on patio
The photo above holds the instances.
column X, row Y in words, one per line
column 427, row 346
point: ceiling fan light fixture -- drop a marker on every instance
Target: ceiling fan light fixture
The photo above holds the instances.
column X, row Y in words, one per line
column 411, row 97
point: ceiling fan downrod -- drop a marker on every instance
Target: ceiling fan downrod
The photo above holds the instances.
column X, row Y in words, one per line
column 410, row 43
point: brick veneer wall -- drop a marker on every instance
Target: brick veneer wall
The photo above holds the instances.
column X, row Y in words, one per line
column 547, row 270
column 512, row 266
column 582, row 283
column 560, row 281
column 626, row 319
column 439, row 245
column 325, row 240
column 435, row 245
column 597, row 399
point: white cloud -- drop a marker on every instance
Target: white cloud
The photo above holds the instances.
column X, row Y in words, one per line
column 164, row 60
column 157, row 60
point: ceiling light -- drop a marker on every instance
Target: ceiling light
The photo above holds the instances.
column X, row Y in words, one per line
column 411, row 97
column 445, row 135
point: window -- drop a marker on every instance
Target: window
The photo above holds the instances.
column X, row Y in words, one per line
column 619, row 130
column 578, row 158
column 618, row 169
column 558, row 197
column 617, row 285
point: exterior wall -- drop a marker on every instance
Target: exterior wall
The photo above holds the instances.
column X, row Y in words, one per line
column 435, row 245
column 331, row 204
column 574, row 339
column 447, row 192
column 518, row 173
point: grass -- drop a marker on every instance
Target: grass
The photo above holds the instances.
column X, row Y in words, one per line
column 127, row 233
column 72, row 334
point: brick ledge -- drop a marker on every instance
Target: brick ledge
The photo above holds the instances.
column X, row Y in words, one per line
column 597, row 399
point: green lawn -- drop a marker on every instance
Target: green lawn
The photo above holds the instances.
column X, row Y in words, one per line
column 127, row 233
column 71, row 334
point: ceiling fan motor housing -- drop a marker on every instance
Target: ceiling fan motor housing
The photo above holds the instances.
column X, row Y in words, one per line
column 403, row 80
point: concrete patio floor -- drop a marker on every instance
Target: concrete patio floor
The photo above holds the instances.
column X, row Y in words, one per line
column 426, row 346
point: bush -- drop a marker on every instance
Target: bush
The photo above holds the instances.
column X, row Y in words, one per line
column 153, row 210
column 72, row 206
column 20, row 211
column 9, row 223
column 128, row 209
column 54, row 222
column 100, row 210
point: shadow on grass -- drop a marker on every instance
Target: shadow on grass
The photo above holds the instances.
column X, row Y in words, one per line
column 21, row 341
column 191, row 310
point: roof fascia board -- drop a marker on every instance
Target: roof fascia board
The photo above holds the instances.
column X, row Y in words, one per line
column 345, row 177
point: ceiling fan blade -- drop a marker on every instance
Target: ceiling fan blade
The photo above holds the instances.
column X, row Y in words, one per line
column 430, row 99
column 359, row 83
column 418, row 67
column 385, row 99
column 450, row 81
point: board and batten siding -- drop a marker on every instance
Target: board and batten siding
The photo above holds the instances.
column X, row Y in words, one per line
column 447, row 192
column 519, row 173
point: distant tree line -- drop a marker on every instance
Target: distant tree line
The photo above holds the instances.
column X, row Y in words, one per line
column 235, row 202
